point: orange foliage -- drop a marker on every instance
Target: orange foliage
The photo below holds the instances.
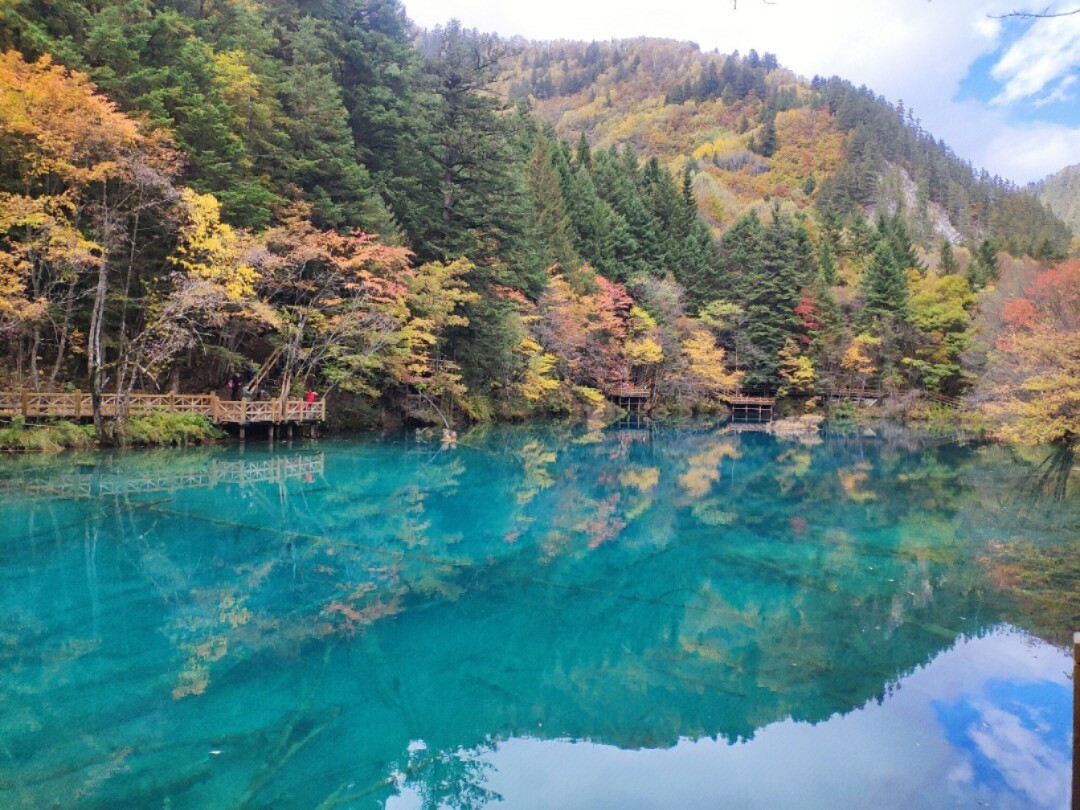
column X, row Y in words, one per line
column 588, row 332
column 64, row 141
column 1019, row 313
column 1034, row 377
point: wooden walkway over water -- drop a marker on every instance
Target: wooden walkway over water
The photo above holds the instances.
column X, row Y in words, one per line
column 745, row 406
column 870, row 395
column 77, row 405
column 630, row 399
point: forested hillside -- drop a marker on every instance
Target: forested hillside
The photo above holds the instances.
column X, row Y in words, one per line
column 441, row 225
column 755, row 132
column 1060, row 193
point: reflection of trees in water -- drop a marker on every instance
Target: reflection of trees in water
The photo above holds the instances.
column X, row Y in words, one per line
column 1031, row 559
column 636, row 588
column 452, row 779
column 1051, row 479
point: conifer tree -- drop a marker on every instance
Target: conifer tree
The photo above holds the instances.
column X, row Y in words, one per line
column 582, row 154
column 984, row 266
column 946, row 259
column 555, row 230
column 884, row 287
column 828, row 274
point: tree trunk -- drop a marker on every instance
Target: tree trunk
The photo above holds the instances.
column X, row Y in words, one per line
column 20, row 361
column 125, row 355
column 35, row 347
column 94, row 351
column 65, row 332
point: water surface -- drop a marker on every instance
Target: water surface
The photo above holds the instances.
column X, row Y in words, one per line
column 539, row 617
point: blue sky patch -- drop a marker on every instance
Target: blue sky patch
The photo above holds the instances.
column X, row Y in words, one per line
column 1057, row 103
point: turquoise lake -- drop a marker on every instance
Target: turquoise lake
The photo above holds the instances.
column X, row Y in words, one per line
column 540, row 617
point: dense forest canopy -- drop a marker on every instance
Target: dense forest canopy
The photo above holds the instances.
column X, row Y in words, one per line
column 445, row 224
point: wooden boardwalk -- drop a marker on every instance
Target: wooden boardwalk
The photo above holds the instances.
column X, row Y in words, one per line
column 758, row 407
column 630, row 399
column 746, row 407
column 871, row 394
column 77, row 405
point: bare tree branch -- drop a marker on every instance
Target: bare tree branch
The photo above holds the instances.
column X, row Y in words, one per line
column 1034, row 15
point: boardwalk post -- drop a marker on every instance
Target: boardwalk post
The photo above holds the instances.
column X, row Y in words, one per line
column 213, row 407
column 1076, row 723
column 25, row 404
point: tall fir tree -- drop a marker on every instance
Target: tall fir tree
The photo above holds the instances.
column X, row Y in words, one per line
column 884, row 287
column 946, row 259
column 828, row 272
column 555, row 229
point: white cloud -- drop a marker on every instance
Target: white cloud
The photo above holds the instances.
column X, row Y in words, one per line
column 1045, row 54
column 989, row 28
column 1027, row 764
column 1060, row 94
column 1031, row 152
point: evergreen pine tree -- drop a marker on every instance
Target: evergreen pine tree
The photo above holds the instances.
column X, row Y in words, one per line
column 765, row 142
column 884, row 287
column 900, row 242
column 984, row 266
column 946, row 259
column 828, row 272
column 582, row 154
column 555, row 230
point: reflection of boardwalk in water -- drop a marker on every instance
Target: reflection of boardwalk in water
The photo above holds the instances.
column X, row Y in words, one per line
column 243, row 473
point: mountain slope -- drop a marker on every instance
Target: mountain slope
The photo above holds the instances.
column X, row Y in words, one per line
column 754, row 132
column 1060, row 193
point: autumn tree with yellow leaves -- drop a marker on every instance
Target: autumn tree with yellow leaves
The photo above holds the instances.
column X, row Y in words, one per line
column 1030, row 389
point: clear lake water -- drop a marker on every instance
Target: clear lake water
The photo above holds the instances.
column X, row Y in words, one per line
column 539, row 617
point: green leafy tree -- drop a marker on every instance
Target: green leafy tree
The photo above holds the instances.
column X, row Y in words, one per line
column 939, row 310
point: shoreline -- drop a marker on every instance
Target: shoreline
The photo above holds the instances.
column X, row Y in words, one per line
column 165, row 429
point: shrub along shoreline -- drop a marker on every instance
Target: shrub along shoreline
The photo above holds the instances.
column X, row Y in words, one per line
column 154, row 429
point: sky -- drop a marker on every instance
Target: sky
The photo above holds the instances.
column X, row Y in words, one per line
column 1004, row 93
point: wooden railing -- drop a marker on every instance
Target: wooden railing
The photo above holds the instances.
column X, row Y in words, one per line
column 630, row 391
column 737, row 397
column 952, row 402
column 78, row 405
column 855, row 393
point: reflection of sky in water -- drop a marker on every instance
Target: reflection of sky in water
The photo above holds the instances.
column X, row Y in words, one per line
column 984, row 724
column 1014, row 738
